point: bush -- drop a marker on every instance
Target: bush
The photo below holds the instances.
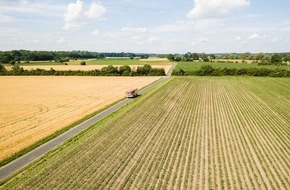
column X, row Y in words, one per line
column 125, row 70
column 205, row 70
column 143, row 71
column 17, row 70
column 180, row 72
column 156, row 72
column 2, row 69
column 276, row 58
column 178, row 58
column 112, row 71
column 208, row 70
column 227, row 71
column 12, row 62
column 83, row 63
column 264, row 62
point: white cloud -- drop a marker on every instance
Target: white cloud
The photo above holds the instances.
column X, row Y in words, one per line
column 136, row 38
column 73, row 12
column 95, row 32
column 213, row 8
column 5, row 18
column 61, row 40
column 238, row 38
column 256, row 36
column 71, row 25
column 153, row 39
column 134, row 30
column 202, row 39
column 74, row 16
column 172, row 40
column 280, row 41
column 32, row 7
column 35, row 41
column 8, row 31
column 192, row 26
column 178, row 26
column 96, row 10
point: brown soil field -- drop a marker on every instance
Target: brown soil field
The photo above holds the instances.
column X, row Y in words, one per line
column 31, row 108
column 85, row 67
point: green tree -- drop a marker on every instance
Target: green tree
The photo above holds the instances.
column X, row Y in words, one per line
column 144, row 56
column 17, row 70
column 2, row 68
column 287, row 58
column 125, row 70
column 245, row 56
column 260, row 56
column 276, row 58
column 144, row 70
column 194, row 56
column 178, row 58
column 6, row 57
column 111, row 70
column 170, row 57
column 104, row 71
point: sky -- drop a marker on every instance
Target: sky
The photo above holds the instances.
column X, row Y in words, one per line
column 146, row 26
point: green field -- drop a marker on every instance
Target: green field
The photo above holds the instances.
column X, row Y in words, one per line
column 193, row 66
column 107, row 61
column 189, row 133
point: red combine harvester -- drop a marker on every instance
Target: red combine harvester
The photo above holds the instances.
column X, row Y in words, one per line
column 132, row 93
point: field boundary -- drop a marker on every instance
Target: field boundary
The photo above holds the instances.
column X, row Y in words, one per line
column 22, row 159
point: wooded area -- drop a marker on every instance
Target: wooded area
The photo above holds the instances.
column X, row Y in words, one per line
column 25, row 55
column 15, row 56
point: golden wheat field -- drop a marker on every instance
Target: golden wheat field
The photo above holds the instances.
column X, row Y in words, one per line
column 32, row 108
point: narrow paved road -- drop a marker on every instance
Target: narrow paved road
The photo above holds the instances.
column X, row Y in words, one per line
column 21, row 162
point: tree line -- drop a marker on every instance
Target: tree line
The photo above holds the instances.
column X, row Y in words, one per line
column 110, row 70
column 263, row 58
column 15, row 56
column 208, row 70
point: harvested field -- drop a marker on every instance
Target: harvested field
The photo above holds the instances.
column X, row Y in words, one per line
column 191, row 133
column 31, row 108
column 85, row 67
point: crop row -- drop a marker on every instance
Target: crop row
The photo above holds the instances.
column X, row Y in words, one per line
column 194, row 133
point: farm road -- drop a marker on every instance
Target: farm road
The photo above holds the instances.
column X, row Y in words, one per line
column 23, row 161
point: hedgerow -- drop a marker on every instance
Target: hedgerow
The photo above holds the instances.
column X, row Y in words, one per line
column 110, row 70
column 208, row 70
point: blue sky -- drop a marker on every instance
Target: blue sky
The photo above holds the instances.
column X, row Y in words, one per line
column 148, row 26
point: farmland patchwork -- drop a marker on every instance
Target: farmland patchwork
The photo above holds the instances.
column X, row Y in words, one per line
column 193, row 133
